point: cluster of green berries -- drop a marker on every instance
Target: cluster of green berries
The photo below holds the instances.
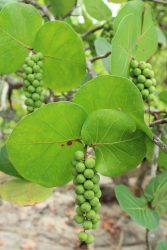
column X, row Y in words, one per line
column 33, row 84
column 142, row 75
column 88, row 193
column 108, row 31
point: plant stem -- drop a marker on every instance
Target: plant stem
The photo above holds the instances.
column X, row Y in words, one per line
column 89, row 32
column 100, row 57
column 148, row 246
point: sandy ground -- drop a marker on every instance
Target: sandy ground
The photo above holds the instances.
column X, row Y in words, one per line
column 50, row 226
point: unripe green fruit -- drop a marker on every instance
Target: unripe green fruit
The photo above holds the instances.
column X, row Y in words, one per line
column 97, row 208
column 152, row 89
column 74, row 162
column 28, row 70
column 38, row 104
column 30, row 77
column 148, row 65
column 140, row 86
column 90, row 239
column 148, row 83
column 40, row 63
column 30, row 63
column 91, row 215
column 80, row 167
column 96, row 188
column 141, row 78
column 148, row 73
column 89, row 173
column 80, row 178
column 151, row 97
column 98, row 194
column 35, row 97
column 88, row 185
column 137, row 72
column 96, row 219
column 28, row 95
column 36, row 83
column 79, row 219
column 27, row 83
column 82, row 236
column 95, row 225
column 30, row 109
column 80, row 199
column 96, row 179
column 145, row 93
column 89, row 195
column 90, row 162
column 78, row 211
column 24, row 76
column 142, row 65
column 134, row 64
column 74, row 171
column 40, row 56
column 35, row 58
column 31, row 89
column 79, row 189
column 39, row 90
column 154, row 82
column 85, row 207
column 38, row 76
column 79, row 156
column 87, row 225
column 29, row 102
column 94, row 202
column 36, row 69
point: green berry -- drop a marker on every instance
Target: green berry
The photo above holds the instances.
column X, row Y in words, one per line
column 39, row 90
column 142, row 65
column 36, row 83
column 79, row 189
column 96, row 188
column 80, row 178
column 148, row 73
column 89, row 195
column 152, row 89
column 80, row 167
column 35, row 58
column 98, row 194
column 24, row 76
column 91, row 215
column 30, row 109
column 148, row 83
column 97, row 208
column 80, row 199
column 134, row 64
column 89, row 173
column 38, row 76
column 141, row 78
column 27, row 83
column 30, row 63
column 90, row 162
column 95, row 225
column 31, row 89
column 29, row 102
column 30, row 77
column 96, row 179
column 137, row 72
column 94, row 202
column 148, row 65
column 28, row 95
column 40, row 55
column 85, row 207
column 78, row 211
column 82, row 236
column 154, row 82
column 74, row 162
column 151, row 97
column 87, row 225
column 28, row 70
column 38, row 104
column 88, row 185
column 140, row 86
column 36, row 68
column 79, row 219
column 79, row 156
column 90, row 239
column 145, row 93
column 96, row 219
column 35, row 97
column 40, row 63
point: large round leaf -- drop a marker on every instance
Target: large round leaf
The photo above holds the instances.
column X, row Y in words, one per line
column 5, row 164
column 19, row 24
column 64, row 63
column 112, row 92
column 61, row 8
column 22, row 192
column 42, row 145
column 118, row 147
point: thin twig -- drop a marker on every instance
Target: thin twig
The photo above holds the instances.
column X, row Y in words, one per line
column 100, row 57
column 158, row 1
column 43, row 8
column 90, row 69
column 158, row 122
column 148, row 246
column 89, row 32
column 160, row 143
column 155, row 111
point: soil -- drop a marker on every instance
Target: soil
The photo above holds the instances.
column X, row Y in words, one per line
column 50, row 226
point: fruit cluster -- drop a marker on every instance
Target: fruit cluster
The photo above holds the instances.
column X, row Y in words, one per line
column 108, row 31
column 88, row 193
column 33, row 84
column 142, row 75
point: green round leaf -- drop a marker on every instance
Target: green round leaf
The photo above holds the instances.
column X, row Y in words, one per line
column 19, row 24
column 42, row 145
column 64, row 63
column 112, row 92
column 5, row 164
column 61, row 8
column 22, row 192
column 118, row 147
